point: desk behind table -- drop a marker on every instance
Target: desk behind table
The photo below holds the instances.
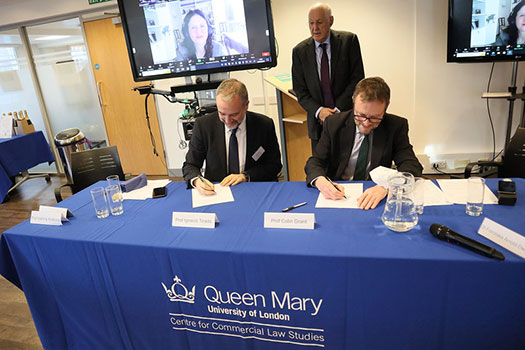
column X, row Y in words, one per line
column 20, row 153
column 135, row 282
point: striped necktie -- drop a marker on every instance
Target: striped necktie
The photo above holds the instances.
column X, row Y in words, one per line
column 362, row 160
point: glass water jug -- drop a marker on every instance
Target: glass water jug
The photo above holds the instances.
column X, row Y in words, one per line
column 400, row 211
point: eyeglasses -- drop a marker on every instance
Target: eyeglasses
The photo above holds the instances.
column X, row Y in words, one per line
column 362, row 118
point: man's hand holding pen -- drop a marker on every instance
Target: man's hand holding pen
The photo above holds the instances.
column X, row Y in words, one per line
column 204, row 186
column 329, row 189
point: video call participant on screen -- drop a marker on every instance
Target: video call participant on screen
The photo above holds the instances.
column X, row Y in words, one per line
column 357, row 141
column 198, row 38
column 236, row 144
column 325, row 69
column 514, row 34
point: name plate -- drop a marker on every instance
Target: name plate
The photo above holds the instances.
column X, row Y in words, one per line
column 201, row 220
column 46, row 218
column 304, row 221
column 501, row 235
column 64, row 212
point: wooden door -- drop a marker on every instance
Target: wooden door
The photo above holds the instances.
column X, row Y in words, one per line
column 123, row 108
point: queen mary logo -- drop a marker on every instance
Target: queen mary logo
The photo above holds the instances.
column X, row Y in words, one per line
column 179, row 292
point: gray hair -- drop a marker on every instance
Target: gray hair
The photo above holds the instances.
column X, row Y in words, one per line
column 230, row 88
column 323, row 6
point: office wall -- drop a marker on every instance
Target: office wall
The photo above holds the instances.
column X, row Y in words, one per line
column 403, row 41
column 22, row 11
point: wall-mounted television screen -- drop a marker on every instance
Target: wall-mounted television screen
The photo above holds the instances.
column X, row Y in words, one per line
column 486, row 30
column 176, row 38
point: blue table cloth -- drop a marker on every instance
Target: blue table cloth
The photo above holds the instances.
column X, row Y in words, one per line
column 135, row 282
column 20, row 153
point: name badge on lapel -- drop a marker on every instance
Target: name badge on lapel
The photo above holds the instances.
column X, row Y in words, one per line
column 258, row 153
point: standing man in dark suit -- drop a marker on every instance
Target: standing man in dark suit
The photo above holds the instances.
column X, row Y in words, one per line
column 355, row 142
column 325, row 70
column 237, row 145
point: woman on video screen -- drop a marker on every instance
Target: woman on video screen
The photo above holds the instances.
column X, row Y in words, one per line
column 198, row 38
column 514, row 34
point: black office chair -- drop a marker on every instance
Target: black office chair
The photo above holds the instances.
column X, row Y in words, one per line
column 513, row 163
column 88, row 167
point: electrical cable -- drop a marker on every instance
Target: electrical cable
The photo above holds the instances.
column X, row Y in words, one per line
column 490, row 116
column 452, row 176
column 149, row 125
column 150, row 132
column 182, row 143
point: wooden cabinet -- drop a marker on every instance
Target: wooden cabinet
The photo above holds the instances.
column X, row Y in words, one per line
column 295, row 144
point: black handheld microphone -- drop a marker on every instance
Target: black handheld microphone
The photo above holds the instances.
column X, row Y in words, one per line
column 446, row 234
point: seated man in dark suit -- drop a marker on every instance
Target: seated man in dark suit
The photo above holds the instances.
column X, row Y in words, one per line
column 355, row 142
column 237, row 145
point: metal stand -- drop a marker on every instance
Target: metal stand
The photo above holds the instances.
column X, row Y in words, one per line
column 512, row 90
column 511, row 96
column 25, row 176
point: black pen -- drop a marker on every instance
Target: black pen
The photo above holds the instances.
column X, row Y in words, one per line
column 206, row 182
column 294, row 206
column 337, row 188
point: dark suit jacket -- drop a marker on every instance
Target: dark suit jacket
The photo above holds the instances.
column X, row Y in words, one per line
column 208, row 143
column 390, row 143
column 346, row 71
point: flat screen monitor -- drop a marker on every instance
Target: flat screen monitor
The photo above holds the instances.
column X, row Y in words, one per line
column 486, row 30
column 176, row 38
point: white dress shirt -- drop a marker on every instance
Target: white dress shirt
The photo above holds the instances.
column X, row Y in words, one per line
column 358, row 140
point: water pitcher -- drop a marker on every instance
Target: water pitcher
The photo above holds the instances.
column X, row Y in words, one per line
column 400, row 211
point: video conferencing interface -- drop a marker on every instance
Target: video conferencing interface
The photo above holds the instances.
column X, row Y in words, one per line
column 486, row 29
column 174, row 36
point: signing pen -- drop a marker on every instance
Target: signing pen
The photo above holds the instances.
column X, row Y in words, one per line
column 294, row 206
column 207, row 182
column 337, row 188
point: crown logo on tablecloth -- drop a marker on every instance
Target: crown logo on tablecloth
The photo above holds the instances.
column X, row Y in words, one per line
column 179, row 292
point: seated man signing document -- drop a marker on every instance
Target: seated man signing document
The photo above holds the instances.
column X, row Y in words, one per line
column 356, row 141
column 237, row 145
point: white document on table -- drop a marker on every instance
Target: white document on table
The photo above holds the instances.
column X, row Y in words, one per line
column 352, row 191
column 222, row 194
column 146, row 191
column 456, row 191
column 433, row 195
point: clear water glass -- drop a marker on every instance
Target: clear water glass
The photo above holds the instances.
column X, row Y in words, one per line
column 100, row 202
column 475, row 194
column 114, row 180
column 115, row 199
column 419, row 194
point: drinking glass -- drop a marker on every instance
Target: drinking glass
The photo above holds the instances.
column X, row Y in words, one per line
column 114, row 180
column 475, row 193
column 100, row 202
column 419, row 194
column 115, row 199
